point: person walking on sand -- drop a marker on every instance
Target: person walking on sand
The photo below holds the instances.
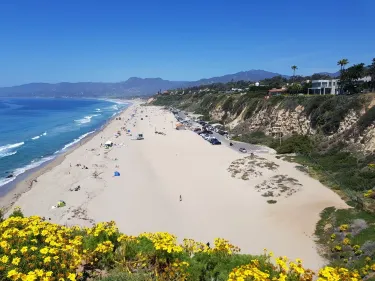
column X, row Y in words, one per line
column 180, row 198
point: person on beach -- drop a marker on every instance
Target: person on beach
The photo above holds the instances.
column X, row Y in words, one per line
column 180, row 198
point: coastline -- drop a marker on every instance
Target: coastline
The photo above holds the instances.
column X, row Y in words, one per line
column 15, row 189
column 218, row 198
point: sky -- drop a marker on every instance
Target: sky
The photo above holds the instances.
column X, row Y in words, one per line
column 110, row 41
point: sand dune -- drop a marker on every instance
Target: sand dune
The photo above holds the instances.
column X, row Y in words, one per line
column 157, row 170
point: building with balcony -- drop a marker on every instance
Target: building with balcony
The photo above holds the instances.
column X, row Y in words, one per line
column 324, row 87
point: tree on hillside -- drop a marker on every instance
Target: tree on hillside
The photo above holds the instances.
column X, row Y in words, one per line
column 320, row 76
column 294, row 68
column 275, row 82
column 295, row 88
column 371, row 73
column 306, row 86
column 342, row 63
column 349, row 78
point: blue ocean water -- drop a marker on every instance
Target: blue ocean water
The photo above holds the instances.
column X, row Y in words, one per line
column 34, row 131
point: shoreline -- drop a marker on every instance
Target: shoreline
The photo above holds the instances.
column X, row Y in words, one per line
column 16, row 188
column 224, row 193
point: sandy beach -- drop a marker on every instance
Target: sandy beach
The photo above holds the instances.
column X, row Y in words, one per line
column 224, row 193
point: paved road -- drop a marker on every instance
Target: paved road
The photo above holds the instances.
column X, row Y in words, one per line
column 236, row 145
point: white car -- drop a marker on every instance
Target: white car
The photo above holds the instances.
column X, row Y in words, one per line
column 243, row 150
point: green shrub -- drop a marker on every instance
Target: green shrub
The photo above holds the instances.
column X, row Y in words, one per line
column 257, row 137
column 16, row 213
column 327, row 115
column 124, row 276
column 228, row 104
column 251, row 108
column 296, row 144
column 205, row 267
column 367, row 119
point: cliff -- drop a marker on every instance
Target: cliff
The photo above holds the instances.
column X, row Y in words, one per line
column 332, row 119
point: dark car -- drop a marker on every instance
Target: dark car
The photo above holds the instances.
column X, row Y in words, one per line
column 214, row 141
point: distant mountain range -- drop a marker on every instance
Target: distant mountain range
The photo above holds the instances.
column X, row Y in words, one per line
column 134, row 86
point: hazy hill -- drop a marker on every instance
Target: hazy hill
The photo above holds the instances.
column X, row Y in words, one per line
column 134, row 86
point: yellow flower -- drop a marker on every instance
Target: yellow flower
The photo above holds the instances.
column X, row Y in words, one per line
column 39, row 272
column 13, row 251
column 4, row 259
column 47, row 260
column 44, row 251
column 12, row 273
column 72, row 277
column 16, row 261
column 344, row 227
column 23, row 250
column 4, row 244
column 346, row 241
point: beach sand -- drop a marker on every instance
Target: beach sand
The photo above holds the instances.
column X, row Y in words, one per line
column 221, row 195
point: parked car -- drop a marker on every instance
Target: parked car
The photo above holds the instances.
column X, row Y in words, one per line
column 207, row 137
column 215, row 141
column 243, row 150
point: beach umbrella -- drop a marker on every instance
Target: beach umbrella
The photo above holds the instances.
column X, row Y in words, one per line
column 116, row 174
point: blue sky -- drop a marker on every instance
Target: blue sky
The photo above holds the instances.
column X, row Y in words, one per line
column 78, row 40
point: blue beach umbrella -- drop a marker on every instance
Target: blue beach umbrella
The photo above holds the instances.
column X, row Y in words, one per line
column 116, row 174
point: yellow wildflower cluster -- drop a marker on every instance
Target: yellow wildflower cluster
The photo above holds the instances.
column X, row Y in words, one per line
column 222, row 245
column 332, row 274
column 369, row 193
column 285, row 270
column 103, row 228
column 344, row 227
column 32, row 249
column 104, row 247
column 192, row 247
column 164, row 241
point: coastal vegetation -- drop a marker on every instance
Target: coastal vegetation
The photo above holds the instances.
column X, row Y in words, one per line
column 327, row 135
column 34, row 249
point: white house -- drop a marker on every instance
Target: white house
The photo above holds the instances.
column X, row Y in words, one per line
column 324, row 87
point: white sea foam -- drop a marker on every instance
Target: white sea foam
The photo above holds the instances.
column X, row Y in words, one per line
column 75, row 141
column 10, row 146
column 9, row 149
column 8, row 154
column 37, row 137
column 98, row 110
column 19, row 171
column 86, row 119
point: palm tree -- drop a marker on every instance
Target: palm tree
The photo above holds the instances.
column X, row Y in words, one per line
column 342, row 63
column 294, row 68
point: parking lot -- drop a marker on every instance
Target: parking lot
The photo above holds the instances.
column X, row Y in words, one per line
column 250, row 148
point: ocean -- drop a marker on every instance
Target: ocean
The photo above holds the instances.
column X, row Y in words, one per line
column 35, row 130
